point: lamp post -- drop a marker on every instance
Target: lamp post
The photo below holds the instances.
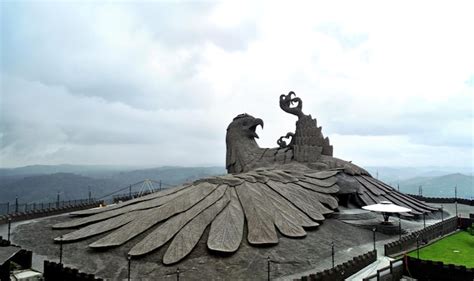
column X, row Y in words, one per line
column 456, row 199
column 57, row 200
column 399, row 227
column 9, row 228
column 417, row 246
column 268, row 268
column 61, row 249
column 129, row 259
column 442, row 215
column 373, row 231
column 424, row 220
column 332, row 253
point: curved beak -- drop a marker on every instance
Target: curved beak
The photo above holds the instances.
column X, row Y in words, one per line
column 253, row 127
column 258, row 121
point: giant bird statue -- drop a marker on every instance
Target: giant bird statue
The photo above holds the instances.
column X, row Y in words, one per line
column 288, row 189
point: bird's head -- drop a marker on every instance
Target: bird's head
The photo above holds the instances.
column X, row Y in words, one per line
column 240, row 141
column 243, row 127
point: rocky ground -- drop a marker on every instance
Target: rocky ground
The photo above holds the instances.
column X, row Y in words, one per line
column 248, row 263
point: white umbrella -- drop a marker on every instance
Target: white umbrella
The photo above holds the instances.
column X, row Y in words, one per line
column 386, row 208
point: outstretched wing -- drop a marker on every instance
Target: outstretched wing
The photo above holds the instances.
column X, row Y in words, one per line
column 372, row 191
column 267, row 200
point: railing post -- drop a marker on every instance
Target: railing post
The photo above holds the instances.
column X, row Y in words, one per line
column 399, row 227
column 57, row 201
column 16, row 204
column 373, row 231
column 418, row 246
column 9, row 228
column 456, row 199
column 177, row 274
column 129, row 258
column 61, row 249
column 268, row 268
column 424, row 220
column 8, row 207
column 442, row 215
column 332, row 253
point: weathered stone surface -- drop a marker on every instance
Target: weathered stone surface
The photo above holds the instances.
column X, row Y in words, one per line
column 228, row 227
column 98, row 228
column 124, row 209
column 190, row 234
column 258, row 212
column 332, row 189
column 168, row 229
column 153, row 216
column 299, row 199
column 287, row 218
column 130, row 202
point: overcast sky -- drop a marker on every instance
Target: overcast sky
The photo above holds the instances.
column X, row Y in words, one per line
column 157, row 83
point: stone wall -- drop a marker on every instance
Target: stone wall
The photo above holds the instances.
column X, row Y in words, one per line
column 344, row 270
column 436, row 270
column 58, row 272
column 424, row 235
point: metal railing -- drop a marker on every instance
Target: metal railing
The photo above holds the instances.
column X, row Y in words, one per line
column 18, row 207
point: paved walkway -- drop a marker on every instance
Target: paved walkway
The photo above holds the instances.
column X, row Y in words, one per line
column 372, row 268
column 38, row 260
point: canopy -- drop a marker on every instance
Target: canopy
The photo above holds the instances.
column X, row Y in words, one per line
column 386, row 207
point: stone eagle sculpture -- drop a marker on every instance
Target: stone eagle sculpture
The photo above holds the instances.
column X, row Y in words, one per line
column 288, row 189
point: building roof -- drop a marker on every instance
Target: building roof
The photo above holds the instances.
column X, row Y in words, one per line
column 7, row 253
column 386, row 207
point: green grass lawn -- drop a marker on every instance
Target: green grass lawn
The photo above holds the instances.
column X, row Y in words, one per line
column 455, row 249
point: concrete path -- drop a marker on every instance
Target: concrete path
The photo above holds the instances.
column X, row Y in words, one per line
column 370, row 269
column 38, row 260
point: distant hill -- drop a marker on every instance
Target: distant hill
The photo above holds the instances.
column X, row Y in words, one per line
column 42, row 183
column 393, row 175
column 168, row 175
column 64, row 168
column 44, row 188
column 440, row 186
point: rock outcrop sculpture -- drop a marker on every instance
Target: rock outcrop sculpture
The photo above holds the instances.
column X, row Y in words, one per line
column 288, row 189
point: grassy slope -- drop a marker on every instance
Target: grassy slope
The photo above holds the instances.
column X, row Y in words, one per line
column 445, row 250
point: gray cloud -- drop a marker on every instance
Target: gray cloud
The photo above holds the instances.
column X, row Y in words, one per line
column 104, row 50
column 157, row 83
